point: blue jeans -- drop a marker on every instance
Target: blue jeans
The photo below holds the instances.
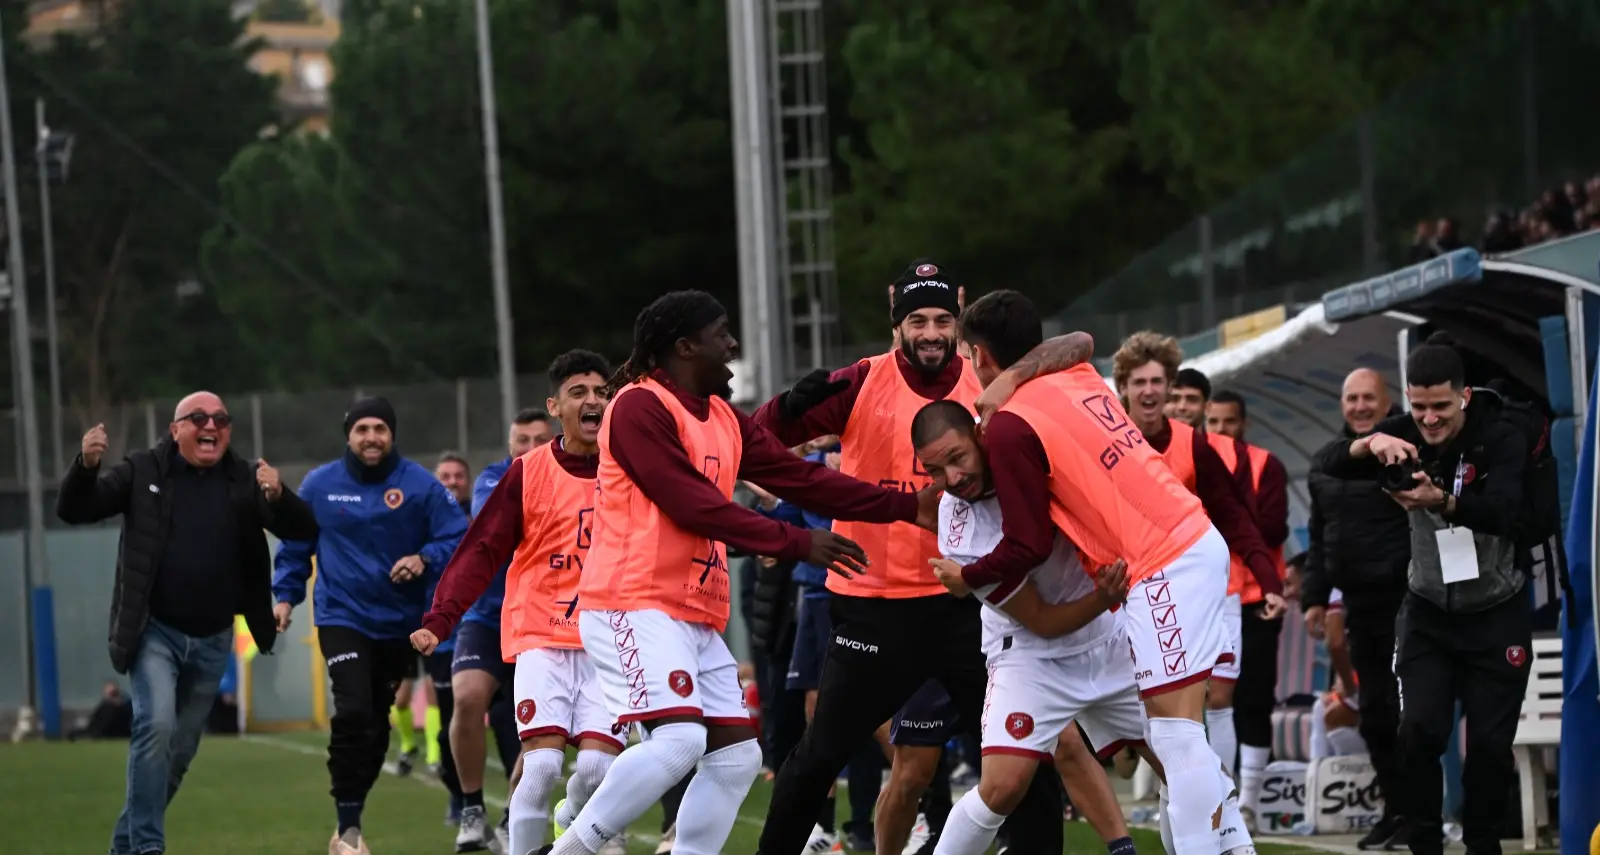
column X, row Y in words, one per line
column 174, row 683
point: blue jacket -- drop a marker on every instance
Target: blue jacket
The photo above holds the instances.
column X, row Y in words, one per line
column 813, row 580
column 487, row 609
column 365, row 529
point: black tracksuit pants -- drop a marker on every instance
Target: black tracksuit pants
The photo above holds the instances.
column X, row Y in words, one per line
column 436, row 669
column 1482, row 660
column 1256, row 693
column 365, row 674
column 1369, row 628
column 882, row 651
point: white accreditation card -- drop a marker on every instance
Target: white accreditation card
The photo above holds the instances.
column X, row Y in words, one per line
column 1458, row 552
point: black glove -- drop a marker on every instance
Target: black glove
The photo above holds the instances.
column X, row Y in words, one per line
column 811, row 390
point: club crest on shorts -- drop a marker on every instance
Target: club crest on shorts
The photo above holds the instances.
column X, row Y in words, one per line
column 1019, row 725
column 1516, row 654
column 393, row 497
column 926, row 270
column 681, row 682
column 525, row 711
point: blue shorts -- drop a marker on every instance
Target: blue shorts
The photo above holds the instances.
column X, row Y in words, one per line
column 927, row 720
column 478, row 649
column 812, row 632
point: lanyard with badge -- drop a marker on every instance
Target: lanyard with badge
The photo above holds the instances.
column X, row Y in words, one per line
column 1458, row 552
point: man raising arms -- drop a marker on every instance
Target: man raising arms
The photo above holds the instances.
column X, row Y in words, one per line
column 656, row 595
column 1065, row 452
column 539, row 515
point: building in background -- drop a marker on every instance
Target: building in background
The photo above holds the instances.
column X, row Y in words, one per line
column 296, row 36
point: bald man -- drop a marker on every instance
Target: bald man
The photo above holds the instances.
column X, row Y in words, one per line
column 1360, row 544
column 193, row 555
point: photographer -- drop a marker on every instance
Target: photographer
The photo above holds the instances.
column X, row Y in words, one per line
column 1457, row 463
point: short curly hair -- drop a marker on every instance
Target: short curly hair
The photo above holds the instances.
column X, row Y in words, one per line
column 1140, row 349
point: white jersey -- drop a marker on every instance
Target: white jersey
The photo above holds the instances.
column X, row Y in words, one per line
column 970, row 530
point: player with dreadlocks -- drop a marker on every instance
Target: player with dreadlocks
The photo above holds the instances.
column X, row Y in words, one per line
column 654, row 594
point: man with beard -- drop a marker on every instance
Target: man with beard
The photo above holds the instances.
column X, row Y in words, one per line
column 1360, row 544
column 882, row 649
column 387, row 529
column 479, row 675
column 655, row 593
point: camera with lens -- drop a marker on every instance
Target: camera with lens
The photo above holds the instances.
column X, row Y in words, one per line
column 1402, row 476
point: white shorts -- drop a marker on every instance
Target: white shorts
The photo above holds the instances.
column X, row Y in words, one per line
column 1228, row 663
column 1030, row 701
column 557, row 695
column 1175, row 621
column 652, row 666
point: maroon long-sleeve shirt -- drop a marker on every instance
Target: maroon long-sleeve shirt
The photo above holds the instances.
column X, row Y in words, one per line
column 1226, row 498
column 1021, row 474
column 490, row 541
column 644, row 441
column 832, row 414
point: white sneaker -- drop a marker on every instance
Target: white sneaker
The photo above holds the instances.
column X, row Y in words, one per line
column 615, row 846
column 474, row 834
column 501, row 843
column 665, row 846
column 920, row 835
column 822, row 841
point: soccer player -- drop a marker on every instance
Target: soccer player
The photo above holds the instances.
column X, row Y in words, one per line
column 883, row 650
column 387, row 529
column 656, row 596
column 480, row 676
column 1261, row 625
column 1037, row 686
column 1064, row 451
column 539, row 518
column 1144, row 370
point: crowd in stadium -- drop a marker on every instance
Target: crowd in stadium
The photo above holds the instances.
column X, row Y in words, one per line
column 969, row 540
column 1559, row 212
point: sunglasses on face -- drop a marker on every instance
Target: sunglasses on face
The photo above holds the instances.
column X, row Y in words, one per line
column 221, row 420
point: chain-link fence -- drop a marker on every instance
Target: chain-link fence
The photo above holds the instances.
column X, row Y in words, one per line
column 1490, row 130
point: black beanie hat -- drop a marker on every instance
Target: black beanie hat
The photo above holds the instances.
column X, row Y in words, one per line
column 924, row 285
column 369, row 408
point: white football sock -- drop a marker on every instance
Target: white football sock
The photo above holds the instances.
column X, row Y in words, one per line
column 1166, row 823
column 639, row 777
column 1221, row 736
column 1194, row 787
column 1252, row 773
column 970, row 828
column 530, row 802
column 587, row 773
column 711, row 802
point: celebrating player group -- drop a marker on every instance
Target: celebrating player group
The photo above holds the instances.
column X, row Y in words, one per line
column 1011, row 557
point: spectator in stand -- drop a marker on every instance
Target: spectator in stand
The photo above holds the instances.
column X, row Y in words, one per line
column 1422, row 242
column 1360, row 544
column 191, row 556
column 112, row 718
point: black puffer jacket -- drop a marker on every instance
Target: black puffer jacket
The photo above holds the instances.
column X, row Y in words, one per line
column 772, row 610
column 133, row 487
column 1360, row 539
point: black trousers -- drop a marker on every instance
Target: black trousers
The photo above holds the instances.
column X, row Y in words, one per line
column 1370, row 629
column 882, row 651
column 436, row 669
column 1256, row 693
column 1481, row 660
column 503, row 724
column 365, row 674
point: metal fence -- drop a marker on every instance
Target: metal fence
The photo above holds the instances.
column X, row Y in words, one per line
column 1490, row 129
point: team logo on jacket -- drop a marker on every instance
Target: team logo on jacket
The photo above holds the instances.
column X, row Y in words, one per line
column 525, row 711
column 1469, row 473
column 1516, row 654
column 681, row 682
column 1019, row 725
column 393, row 497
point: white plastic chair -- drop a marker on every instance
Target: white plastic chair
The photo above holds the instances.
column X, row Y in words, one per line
column 1539, row 727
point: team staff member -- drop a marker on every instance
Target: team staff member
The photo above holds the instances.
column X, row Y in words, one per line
column 1143, row 370
column 656, row 591
column 1067, row 458
column 191, row 555
column 1261, row 622
column 882, row 652
column 539, row 519
column 1360, row 545
column 477, row 668
column 1466, row 623
column 387, row 529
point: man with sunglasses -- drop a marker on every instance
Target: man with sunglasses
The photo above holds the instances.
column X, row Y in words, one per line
column 192, row 556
